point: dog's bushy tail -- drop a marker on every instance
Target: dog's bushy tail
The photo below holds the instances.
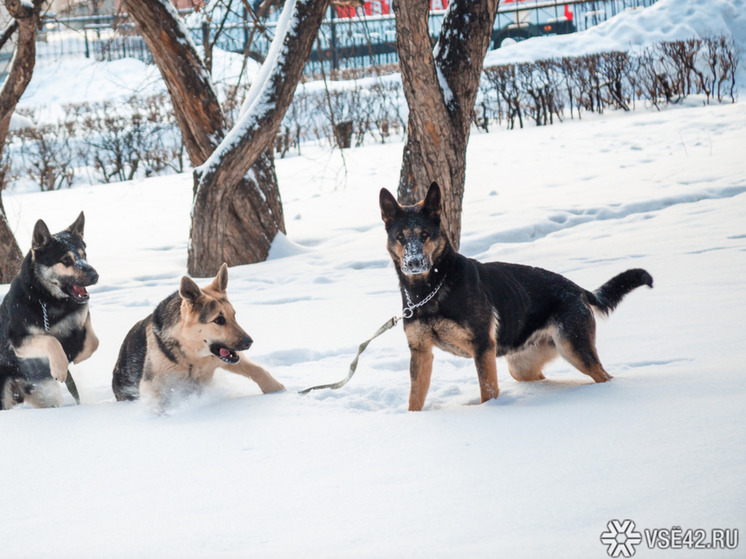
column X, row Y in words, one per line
column 609, row 295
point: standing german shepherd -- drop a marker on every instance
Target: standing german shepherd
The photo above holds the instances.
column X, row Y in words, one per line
column 191, row 333
column 44, row 320
column 481, row 311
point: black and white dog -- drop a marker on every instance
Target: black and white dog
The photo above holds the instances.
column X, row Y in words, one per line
column 44, row 320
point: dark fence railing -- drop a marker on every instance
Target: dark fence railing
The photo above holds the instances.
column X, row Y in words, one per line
column 342, row 42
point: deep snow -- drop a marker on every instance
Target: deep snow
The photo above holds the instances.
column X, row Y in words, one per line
column 350, row 473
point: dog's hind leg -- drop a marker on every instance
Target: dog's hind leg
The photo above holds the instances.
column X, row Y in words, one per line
column 14, row 392
column 45, row 394
column 576, row 342
column 528, row 364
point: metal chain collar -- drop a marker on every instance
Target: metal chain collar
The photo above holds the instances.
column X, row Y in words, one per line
column 408, row 311
column 46, row 316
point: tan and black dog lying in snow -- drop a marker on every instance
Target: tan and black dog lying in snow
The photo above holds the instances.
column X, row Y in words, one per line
column 179, row 346
column 487, row 310
column 44, row 320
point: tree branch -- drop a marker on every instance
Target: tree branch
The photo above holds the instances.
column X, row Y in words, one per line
column 26, row 21
column 8, row 33
column 440, row 88
column 459, row 55
column 201, row 120
column 419, row 73
column 270, row 94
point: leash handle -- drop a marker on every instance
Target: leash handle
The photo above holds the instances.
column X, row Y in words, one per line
column 353, row 366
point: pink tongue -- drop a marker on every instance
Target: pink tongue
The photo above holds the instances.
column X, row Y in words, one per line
column 224, row 352
column 79, row 290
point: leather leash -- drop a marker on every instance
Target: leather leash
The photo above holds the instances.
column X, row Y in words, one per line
column 407, row 312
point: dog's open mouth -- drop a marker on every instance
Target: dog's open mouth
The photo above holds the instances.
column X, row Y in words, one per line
column 224, row 353
column 78, row 293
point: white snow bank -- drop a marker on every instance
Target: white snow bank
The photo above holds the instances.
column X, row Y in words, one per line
column 666, row 20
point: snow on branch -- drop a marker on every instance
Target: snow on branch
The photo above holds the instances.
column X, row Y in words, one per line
column 182, row 34
column 273, row 61
column 272, row 90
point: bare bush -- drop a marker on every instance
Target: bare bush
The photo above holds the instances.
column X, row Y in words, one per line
column 662, row 74
column 505, row 83
column 141, row 137
column 723, row 57
column 385, row 100
column 615, row 69
column 298, row 124
column 48, row 155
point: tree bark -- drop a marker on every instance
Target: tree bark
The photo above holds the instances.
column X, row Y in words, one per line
column 27, row 19
column 237, row 208
column 241, row 154
column 440, row 88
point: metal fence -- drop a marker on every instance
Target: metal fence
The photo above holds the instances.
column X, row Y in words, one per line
column 349, row 42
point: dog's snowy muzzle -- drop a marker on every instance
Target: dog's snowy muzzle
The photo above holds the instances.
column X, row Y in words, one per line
column 414, row 260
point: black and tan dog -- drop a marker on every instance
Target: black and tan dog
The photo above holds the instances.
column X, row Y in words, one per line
column 44, row 320
column 484, row 310
column 190, row 334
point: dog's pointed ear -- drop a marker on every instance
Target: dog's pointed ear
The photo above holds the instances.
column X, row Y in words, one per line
column 41, row 235
column 188, row 290
column 220, row 283
column 78, row 225
column 431, row 203
column 389, row 206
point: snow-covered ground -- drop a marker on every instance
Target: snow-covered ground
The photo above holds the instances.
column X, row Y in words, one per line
column 350, row 473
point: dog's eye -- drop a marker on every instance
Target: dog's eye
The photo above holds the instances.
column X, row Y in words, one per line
column 400, row 237
column 67, row 261
column 424, row 235
column 220, row 320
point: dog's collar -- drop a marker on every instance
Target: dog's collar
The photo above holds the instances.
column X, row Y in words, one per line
column 408, row 311
column 45, row 316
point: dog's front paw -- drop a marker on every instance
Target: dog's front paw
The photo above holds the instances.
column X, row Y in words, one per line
column 274, row 386
column 58, row 370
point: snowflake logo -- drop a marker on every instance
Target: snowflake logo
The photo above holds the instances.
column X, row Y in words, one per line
column 621, row 538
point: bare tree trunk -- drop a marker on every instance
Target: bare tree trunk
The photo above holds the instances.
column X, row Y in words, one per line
column 241, row 154
column 237, row 208
column 440, row 88
column 27, row 19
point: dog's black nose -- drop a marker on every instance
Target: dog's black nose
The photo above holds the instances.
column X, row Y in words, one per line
column 92, row 276
column 246, row 343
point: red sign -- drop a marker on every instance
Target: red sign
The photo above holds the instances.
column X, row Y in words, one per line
column 383, row 7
